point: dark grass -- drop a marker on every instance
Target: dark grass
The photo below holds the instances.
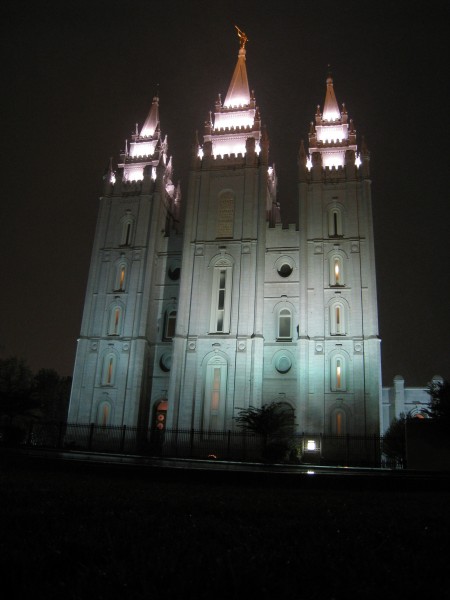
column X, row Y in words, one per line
column 81, row 531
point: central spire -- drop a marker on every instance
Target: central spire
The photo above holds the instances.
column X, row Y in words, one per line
column 239, row 93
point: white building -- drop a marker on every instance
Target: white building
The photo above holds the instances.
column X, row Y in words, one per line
column 237, row 310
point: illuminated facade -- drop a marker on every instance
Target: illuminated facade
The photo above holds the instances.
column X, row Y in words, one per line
column 238, row 310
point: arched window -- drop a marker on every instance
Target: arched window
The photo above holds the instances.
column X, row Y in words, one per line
column 127, row 230
column 284, row 324
column 338, row 374
column 221, row 298
column 338, row 421
column 104, row 414
column 334, row 222
column 109, row 369
column 338, row 319
column 170, row 320
column 115, row 320
column 121, row 270
column 336, row 271
column 215, row 393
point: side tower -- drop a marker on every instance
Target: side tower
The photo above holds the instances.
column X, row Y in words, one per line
column 123, row 352
column 218, row 347
column 340, row 366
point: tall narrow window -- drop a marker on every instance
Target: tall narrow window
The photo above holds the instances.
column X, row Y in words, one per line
column 285, row 324
column 337, row 319
column 221, row 300
column 170, row 323
column 336, row 271
column 109, row 369
column 127, row 231
column 215, row 393
column 335, row 223
column 115, row 320
column 338, row 374
column 121, row 277
column 338, row 422
column 104, row 413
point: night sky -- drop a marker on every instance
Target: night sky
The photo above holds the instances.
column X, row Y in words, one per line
column 77, row 77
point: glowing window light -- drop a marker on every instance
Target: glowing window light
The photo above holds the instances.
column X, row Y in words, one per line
column 333, row 159
column 122, row 278
column 309, row 163
column 135, row 174
column 231, row 147
column 334, row 133
column 142, row 148
column 234, row 119
column 358, row 161
column 337, row 271
column 200, row 153
column 311, row 445
column 237, row 102
column 338, row 374
column 154, row 173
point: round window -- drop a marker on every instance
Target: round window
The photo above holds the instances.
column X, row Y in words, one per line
column 283, row 364
column 174, row 272
column 165, row 362
column 285, row 270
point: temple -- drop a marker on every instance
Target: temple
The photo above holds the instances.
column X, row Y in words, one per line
column 185, row 325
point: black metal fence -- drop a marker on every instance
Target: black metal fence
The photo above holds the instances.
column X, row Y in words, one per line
column 306, row 448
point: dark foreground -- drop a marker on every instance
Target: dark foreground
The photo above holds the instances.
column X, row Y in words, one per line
column 75, row 531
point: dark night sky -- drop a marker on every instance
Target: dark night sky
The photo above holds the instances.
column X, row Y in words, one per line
column 78, row 76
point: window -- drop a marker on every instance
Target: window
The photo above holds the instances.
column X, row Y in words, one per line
column 221, row 300
column 170, row 321
column 284, row 324
column 215, row 393
column 121, row 270
column 115, row 320
column 336, row 271
column 104, row 414
column 335, row 222
column 338, row 422
column 337, row 319
column 338, row 374
column 127, row 230
column 109, row 369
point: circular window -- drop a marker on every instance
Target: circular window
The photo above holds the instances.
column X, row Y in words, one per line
column 174, row 272
column 284, row 270
column 165, row 362
column 283, row 364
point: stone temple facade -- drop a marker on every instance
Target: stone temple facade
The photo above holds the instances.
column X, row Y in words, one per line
column 186, row 325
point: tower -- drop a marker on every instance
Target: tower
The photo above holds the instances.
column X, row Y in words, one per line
column 340, row 365
column 218, row 347
column 131, row 298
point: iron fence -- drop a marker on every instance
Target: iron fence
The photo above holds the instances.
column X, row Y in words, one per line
column 239, row 445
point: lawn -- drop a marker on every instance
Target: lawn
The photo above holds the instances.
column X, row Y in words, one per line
column 75, row 532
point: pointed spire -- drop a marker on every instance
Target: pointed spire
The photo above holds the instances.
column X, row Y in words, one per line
column 330, row 108
column 239, row 93
column 152, row 121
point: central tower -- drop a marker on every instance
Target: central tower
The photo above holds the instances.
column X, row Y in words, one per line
column 218, row 347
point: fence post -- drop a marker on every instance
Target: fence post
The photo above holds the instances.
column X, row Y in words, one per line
column 91, row 435
column 122, row 441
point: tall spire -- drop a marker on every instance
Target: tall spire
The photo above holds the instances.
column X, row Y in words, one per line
column 239, row 93
column 330, row 108
column 151, row 123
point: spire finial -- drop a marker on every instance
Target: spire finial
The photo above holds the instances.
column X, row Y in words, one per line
column 243, row 39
